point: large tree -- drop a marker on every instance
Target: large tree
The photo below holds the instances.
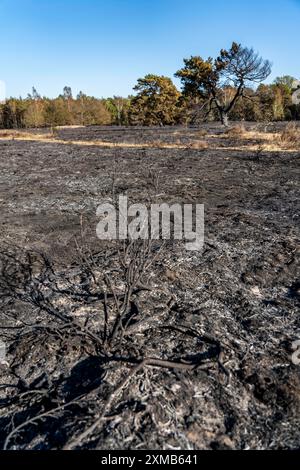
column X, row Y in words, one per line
column 156, row 101
column 210, row 79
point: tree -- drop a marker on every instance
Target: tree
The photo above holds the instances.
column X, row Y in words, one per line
column 35, row 95
column 156, row 102
column 91, row 111
column 12, row 114
column 265, row 96
column 247, row 109
column 56, row 113
column 118, row 107
column 274, row 102
column 35, row 110
column 286, row 80
column 210, row 79
column 67, row 93
column 282, row 100
column 68, row 97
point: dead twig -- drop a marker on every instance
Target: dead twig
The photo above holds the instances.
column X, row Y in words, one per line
column 150, row 362
column 37, row 418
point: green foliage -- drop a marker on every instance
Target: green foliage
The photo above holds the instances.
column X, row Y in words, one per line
column 156, row 102
column 12, row 114
column 119, row 108
column 57, row 113
column 90, row 111
column 287, row 81
column 211, row 79
column 35, row 111
column 212, row 89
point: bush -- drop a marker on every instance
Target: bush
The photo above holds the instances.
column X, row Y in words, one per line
column 236, row 132
column 290, row 136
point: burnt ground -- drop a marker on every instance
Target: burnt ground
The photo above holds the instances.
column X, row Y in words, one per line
column 222, row 320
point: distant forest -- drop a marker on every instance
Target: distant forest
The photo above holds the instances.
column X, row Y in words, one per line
column 227, row 88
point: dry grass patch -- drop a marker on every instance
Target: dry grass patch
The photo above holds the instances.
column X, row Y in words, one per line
column 288, row 139
column 73, row 126
column 290, row 136
column 236, row 132
column 12, row 134
column 202, row 133
column 156, row 144
column 198, row 145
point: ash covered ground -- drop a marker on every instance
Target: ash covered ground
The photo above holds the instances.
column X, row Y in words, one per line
column 201, row 358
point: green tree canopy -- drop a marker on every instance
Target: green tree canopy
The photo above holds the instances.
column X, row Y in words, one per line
column 210, row 79
column 286, row 80
column 156, row 102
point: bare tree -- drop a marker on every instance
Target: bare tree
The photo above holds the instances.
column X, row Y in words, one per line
column 210, row 80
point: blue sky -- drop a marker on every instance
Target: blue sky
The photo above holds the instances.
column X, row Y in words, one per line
column 102, row 47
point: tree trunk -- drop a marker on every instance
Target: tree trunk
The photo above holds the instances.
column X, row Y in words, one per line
column 224, row 118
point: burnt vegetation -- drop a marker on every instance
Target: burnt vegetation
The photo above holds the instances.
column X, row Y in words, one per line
column 142, row 344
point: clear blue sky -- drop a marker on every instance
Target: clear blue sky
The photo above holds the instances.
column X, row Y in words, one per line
column 103, row 46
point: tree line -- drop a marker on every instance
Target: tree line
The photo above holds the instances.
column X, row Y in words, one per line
column 228, row 87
